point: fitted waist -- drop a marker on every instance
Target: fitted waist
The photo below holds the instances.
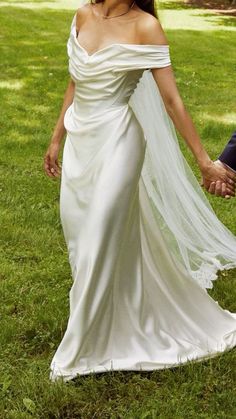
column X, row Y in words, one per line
column 91, row 107
column 82, row 116
column 87, row 106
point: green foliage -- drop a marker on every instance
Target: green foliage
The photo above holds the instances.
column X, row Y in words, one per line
column 35, row 275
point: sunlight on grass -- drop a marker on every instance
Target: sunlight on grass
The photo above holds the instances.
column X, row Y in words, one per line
column 227, row 118
column 12, row 84
column 57, row 4
column 176, row 14
column 198, row 20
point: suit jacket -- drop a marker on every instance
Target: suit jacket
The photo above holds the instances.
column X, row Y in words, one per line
column 228, row 156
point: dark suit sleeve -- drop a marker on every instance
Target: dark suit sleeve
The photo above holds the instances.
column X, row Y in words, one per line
column 228, row 156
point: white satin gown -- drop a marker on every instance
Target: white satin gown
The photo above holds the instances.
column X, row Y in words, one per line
column 132, row 307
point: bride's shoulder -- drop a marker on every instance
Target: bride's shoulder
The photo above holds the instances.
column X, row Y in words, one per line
column 81, row 13
column 150, row 30
column 84, row 9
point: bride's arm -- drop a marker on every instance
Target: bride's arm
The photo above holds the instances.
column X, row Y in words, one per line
column 51, row 165
column 184, row 124
column 164, row 77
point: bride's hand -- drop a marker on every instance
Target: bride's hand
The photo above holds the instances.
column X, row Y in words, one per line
column 51, row 164
column 219, row 175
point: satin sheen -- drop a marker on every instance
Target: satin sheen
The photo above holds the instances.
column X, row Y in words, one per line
column 130, row 308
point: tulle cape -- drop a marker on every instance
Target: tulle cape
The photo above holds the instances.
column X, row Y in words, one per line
column 196, row 237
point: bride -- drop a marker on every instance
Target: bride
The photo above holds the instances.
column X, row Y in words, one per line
column 144, row 243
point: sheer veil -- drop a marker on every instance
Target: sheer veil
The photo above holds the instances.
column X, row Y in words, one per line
column 195, row 236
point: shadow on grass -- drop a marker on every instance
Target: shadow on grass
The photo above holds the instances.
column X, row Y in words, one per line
column 218, row 20
column 175, row 5
column 226, row 21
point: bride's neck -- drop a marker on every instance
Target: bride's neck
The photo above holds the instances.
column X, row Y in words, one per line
column 111, row 7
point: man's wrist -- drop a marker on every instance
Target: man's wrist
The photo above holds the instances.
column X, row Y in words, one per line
column 226, row 165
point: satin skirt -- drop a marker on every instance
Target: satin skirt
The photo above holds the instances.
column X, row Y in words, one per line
column 132, row 307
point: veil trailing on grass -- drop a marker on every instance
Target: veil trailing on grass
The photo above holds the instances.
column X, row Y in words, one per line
column 196, row 237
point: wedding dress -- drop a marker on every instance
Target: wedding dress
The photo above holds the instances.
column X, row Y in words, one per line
column 143, row 241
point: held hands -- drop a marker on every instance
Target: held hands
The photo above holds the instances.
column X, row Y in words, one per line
column 51, row 164
column 218, row 179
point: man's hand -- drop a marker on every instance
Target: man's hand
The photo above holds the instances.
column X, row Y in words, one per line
column 219, row 187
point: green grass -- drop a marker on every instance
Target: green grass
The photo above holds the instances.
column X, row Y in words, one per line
column 35, row 275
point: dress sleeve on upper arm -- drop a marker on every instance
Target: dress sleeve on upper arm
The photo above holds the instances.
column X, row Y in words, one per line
column 159, row 57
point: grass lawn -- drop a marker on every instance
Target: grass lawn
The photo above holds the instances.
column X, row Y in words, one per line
column 35, row 275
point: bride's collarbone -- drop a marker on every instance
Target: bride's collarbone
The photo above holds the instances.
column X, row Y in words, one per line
column 98, row 39
column 96, row 43
column 92, row 48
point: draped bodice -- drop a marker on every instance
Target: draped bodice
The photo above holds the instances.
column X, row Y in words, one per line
column 109, row 76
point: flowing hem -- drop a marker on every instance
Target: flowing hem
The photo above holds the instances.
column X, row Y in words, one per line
column 209, row 273
column 58, row 373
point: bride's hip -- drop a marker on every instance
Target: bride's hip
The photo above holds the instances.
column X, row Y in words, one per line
column 84, row 113
column 104, row 142
column 119, row 120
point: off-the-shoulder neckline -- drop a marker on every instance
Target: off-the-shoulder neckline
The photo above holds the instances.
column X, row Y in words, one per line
column 118, row 44
column 125, row 45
